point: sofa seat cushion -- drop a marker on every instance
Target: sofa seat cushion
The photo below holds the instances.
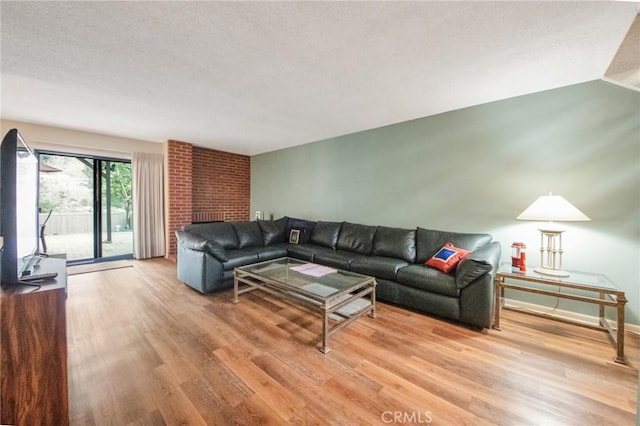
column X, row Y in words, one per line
column 395, row 242
column 325, row 234
column 428, row 279
column 305, row 251
column 273, row 251
column 429, row 241
column 340, row 259
column 249, row 234
column 220, row 232
column 273, row 231
column 241, row 257
column 378, row 266
column 356, row 238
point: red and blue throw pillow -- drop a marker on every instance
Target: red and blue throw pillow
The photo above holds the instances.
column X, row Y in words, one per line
column 447, row 258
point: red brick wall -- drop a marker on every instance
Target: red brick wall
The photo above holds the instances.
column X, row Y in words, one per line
column 221, row 183
column 207, row 181
column 179, row 184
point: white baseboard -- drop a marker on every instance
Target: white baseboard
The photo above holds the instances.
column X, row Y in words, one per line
column 589, row 319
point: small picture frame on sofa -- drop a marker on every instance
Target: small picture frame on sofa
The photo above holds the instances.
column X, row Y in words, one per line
column 294, row 236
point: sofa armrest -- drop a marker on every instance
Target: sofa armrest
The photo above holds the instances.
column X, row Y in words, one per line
column 477, row 263
column 199, row 270
column 195, row 242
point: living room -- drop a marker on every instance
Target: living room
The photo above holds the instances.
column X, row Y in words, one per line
column 520, row 105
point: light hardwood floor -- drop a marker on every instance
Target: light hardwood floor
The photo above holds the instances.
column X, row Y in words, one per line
column 146, row 349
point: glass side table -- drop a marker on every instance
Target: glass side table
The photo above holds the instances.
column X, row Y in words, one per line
column 599, row 289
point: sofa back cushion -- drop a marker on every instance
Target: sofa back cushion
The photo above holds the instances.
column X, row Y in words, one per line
column 220, row 232
column 273, row 231
column 326, row 234
column 249, row 234
column 429, row 241
column 356, row 238
column 395, row 242
column 304, row 226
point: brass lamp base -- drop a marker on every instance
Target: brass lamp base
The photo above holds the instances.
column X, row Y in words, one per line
column 553, row 272
column 551, row 253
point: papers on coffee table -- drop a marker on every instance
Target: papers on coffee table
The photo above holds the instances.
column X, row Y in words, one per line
column 314, row 270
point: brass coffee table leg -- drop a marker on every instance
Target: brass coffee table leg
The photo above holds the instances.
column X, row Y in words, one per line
column 325, row 331
column 235, row 288
column 372, row 314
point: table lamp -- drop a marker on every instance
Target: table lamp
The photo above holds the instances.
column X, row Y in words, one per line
column 552, row 208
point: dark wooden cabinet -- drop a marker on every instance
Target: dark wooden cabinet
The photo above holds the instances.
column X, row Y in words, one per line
column 33, row 356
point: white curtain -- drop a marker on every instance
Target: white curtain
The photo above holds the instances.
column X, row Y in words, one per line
column 148, row 205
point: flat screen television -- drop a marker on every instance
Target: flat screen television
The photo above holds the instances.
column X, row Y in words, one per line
column 18, row 208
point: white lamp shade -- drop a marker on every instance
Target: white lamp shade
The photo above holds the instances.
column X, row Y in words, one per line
column 552, row 208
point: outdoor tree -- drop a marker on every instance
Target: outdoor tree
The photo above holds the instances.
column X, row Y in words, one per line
column 68, row 192
column 120, row 174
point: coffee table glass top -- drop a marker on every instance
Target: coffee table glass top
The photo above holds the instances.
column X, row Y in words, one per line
column 316, row 281
column 584, row 278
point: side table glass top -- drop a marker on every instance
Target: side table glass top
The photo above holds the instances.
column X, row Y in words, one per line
column 575, row 277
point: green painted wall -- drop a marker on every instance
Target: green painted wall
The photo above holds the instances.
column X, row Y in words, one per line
column 476, row 169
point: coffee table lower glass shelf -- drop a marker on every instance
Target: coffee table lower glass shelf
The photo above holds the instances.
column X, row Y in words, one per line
column 339, row 296
column 598, row 288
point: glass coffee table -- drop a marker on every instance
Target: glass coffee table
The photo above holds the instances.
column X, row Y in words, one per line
column 339, row 296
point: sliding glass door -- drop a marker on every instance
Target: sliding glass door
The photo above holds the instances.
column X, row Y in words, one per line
column 85, row 207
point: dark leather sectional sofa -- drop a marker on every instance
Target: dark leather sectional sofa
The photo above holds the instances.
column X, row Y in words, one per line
column 208, row 253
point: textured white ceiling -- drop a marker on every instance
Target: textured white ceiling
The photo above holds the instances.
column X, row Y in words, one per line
column 255, row 77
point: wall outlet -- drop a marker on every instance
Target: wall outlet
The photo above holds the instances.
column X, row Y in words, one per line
column 259, row 215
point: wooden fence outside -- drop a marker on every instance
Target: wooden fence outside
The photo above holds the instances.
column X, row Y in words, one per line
column 79, row 223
